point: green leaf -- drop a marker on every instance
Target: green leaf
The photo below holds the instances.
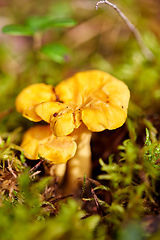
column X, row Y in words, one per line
column 17, row 30
column 63, row 22
column 38, row 23
column 57, row 52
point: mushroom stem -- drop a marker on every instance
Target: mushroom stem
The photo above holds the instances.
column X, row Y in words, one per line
column 80, row 164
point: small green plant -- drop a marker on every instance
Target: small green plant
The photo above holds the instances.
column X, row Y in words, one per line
column 35, row 26
column 27, row 216
column 131, row 182
column 152, row 155
column 7, row 154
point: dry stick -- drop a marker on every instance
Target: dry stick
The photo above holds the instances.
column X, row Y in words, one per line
column 146, row 52
column 36, row 166
column 99, row 208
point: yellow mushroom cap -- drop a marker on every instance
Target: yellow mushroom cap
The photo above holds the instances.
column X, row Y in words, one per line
column 32, row 95
column 95, row 98
column 40, row 140
column 58, row 115
column 102, row 99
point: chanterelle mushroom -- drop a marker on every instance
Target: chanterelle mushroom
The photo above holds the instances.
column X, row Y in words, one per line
column 32, row 95
column 90, row 101
column 58, row 150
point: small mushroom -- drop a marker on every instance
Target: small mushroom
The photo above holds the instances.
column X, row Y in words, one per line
column 58, row 150
column 32, row 95
column 92, row 101
column 40, row 140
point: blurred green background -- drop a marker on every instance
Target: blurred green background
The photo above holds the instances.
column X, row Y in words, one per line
column 86, row 39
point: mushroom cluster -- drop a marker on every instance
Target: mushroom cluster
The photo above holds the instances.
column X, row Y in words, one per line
column 90, row 101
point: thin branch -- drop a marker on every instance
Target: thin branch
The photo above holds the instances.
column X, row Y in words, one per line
column 99, row 208
column 146, row 52
column 34, row 168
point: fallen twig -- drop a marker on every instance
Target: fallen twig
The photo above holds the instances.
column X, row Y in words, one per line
column 36, row 166
column 145, row 50
column 99, row 208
